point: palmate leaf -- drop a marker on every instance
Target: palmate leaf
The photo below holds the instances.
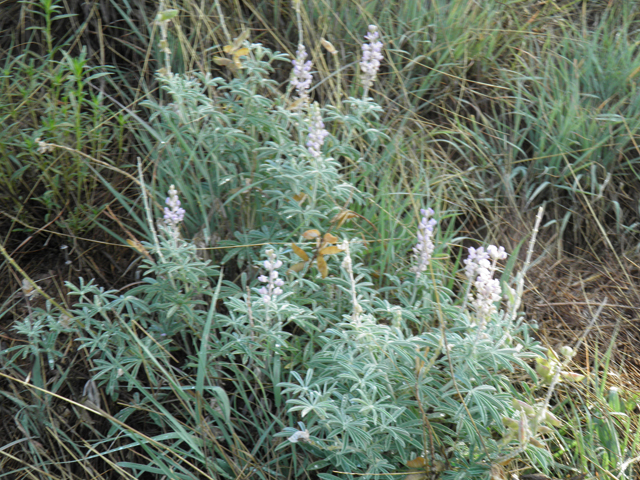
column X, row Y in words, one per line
column 236, row 50
column 323, row 248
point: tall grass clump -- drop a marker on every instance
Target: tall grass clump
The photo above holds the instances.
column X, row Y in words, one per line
column 564, row 129
column 46, row 96
column 278, row 358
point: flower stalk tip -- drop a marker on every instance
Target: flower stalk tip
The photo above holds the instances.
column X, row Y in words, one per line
column 371, row 57
column 272, row 288
column 173, row 213
column 425, row 247
column 480, row 266
column 317, row 132
column 302, row 77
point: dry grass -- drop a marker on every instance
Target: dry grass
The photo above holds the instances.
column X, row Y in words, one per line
column 564, row 297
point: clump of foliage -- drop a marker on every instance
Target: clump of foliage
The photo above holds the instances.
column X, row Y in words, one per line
column 197, row 375
column 279, row 357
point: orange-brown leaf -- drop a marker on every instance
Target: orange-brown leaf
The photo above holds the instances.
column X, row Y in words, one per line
column 311, row 234
column 237, row 43
column 233, row 65
column 343, row 216
column 329, row 238
column 323, row 268
column 417, row 462
column 240, row 53
column 299, row 252
column 330, row 250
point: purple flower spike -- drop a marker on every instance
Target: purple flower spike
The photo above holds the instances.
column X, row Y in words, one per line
column 371, row 57
column 317, row 132
column 425, row 247
column 272, row 288
column 480, row 266
column 173, row 214
column 302, row 78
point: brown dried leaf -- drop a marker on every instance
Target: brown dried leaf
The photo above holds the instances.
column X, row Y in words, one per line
column 135, row 244
column 299, row 252
column 343, row 216
column 311, row 234
column 417, row 462
column 243, row 52
column 323, row 268
column 330, row 250
column 223, row 62
column 237, row 43
column 329, row 238
column 329, row 46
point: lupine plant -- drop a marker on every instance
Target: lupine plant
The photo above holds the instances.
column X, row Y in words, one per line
column 207, row 375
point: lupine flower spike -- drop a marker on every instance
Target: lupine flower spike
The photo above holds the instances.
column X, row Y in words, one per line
column 272, row 288
column 480, row 267
column 302, row 78
column 173, row 213
column 425, row 247
column 371, row 58
column 317, row 132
